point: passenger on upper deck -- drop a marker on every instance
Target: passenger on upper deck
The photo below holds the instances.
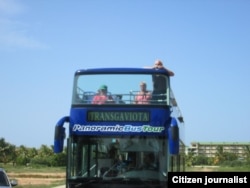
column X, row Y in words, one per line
column 159, row 65
column 102, row 97
column 143, row 96
column 159, row 82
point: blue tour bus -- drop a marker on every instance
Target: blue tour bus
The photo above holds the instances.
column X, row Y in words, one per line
column 108, row 143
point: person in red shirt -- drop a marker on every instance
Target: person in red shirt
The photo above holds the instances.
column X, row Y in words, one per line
column 143, row 96
column 102, row 97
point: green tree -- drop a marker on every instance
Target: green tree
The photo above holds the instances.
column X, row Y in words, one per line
column 219, row 155
column 6, row 151
column 247, row 154
column 189, row 159
column 22, row 155
column 201, row 160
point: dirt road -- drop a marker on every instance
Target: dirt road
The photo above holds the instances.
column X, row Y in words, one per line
column 37, row 178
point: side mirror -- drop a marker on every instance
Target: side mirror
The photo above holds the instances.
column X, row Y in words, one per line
column 59, row 139
column 173, row 137
column 13, row 182
column 60, row 135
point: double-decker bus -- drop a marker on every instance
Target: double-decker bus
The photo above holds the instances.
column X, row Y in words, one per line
column 118, row 142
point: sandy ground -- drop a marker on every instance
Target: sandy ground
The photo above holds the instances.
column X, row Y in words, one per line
column 37, row 178
column 50, row 178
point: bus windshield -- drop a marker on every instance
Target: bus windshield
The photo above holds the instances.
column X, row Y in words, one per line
column 116, row 157
column 121, row 89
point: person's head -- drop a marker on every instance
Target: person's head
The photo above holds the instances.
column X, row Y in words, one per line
column 158, row 64
column 143, row 86
column 103, row 89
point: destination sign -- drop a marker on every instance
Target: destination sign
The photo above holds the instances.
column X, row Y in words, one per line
column 111, row 116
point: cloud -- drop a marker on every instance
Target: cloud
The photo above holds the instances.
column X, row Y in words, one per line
column 15, row 33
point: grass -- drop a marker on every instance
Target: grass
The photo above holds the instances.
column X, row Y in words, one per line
column 36, row 172
column 218, row 169
column 32, row 169
column 41, row 186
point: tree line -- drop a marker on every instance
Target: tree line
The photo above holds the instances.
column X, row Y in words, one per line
column 45, row 155
column 22, row 155
column 221, row 158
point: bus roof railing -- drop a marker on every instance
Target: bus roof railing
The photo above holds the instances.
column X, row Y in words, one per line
column 121, row 71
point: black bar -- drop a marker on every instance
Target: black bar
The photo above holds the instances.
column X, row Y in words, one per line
column 208, row 179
